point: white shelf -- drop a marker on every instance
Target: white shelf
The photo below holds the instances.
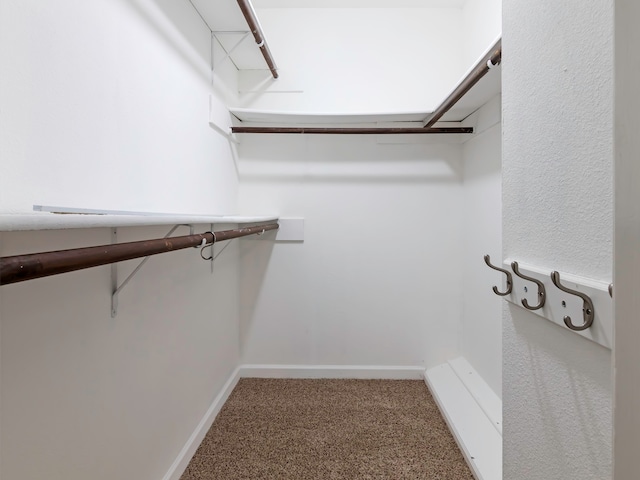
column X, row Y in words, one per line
column 297, row 118
column 484, row 91
column 53, row 221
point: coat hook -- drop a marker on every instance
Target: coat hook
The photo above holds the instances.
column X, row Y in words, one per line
column 611, row 290
column 542, row 294
column 487, row 260
column 587, row 308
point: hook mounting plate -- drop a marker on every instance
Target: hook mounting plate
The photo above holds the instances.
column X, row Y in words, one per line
column 559, row 304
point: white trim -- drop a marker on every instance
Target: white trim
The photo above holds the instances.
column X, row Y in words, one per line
column 479, row 441
column 332, row 371
column 184, row 457
column 481, row 392
column 325, row 118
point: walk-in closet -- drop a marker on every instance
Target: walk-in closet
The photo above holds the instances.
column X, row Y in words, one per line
column 352, row 211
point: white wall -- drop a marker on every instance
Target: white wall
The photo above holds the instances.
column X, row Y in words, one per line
column 404, row 59
column 88, row 396
column 104, row 104
column 481, row 336
column 377, row 279
column 110, row 111
column 627, row 239
column 358, row 60
column 557, row 214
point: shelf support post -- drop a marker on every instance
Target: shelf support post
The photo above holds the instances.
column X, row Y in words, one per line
column 114, row 278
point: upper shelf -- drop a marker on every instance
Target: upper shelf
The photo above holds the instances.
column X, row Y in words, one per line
column 230, row 26
column 55, row 221
column 487, row 87
column 261, row 116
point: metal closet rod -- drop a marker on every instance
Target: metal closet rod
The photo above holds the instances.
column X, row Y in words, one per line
column 20, row 268
column 254, row 26
column 352, row 130
column 490, row 60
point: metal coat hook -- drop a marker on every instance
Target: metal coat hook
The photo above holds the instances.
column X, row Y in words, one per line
column 587, row 309
column 487, row 260
column 542, row 294
column 611, row 290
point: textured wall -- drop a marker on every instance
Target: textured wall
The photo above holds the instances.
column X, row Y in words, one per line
column 557, row 204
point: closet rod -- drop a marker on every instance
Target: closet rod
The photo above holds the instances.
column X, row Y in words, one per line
column 352, row 130
column 19, row 268
column 490, row 60
column 254, row 26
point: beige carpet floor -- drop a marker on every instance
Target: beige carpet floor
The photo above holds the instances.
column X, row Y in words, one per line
column 328, row 429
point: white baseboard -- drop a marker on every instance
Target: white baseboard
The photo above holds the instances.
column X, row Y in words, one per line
column 184, row 457
column 332, row 371
column 475, row 433
column 479, row 390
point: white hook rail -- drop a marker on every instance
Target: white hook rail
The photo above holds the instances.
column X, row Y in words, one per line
column 560, row 304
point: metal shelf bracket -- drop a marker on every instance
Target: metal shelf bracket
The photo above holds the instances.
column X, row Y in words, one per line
column 115, row 288
column 228, row 53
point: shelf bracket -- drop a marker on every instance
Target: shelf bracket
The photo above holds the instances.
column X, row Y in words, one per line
column 228, row 53
column 114, row 277
column 115, row 289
